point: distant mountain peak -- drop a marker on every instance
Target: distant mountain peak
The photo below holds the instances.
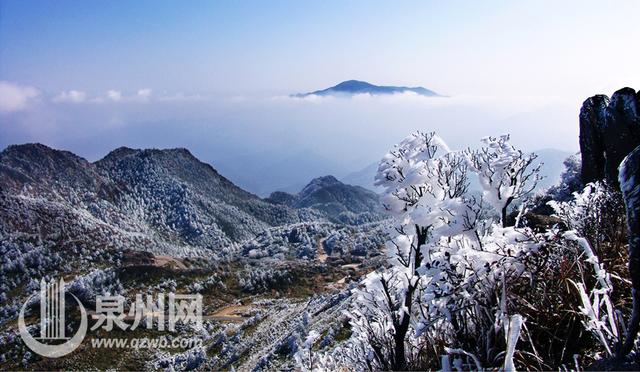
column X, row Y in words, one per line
column 351, row 87
column 123, row 152
column 23, row 146
column 35, row 149
column 338, row 201
column 318, row 183
column 39, row 156
column 353, row 84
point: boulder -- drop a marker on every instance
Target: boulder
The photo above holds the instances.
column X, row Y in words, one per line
column 592, row 121
column 629, row 178
column 609, row 130
column 621, row 131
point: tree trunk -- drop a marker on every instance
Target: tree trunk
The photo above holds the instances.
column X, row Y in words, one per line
column 503, row 214
column 402, row 328
column 503, row 217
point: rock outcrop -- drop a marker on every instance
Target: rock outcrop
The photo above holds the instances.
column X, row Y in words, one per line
column 609, row 130
column 630, row 187
column 622, row 130
column 592, row 121
column 610, row 148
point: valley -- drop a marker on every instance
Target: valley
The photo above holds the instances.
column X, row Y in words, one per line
column 160, row 220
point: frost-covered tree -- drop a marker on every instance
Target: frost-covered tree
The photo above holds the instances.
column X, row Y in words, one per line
column 596, row 212
column 424, row 183
column 570, row 180
column 505, row 173
column 449, row 265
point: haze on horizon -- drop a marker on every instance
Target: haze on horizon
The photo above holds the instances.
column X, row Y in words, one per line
column 215, row 77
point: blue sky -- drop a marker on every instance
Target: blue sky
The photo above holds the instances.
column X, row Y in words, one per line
column 240, row 47
column 214, row 76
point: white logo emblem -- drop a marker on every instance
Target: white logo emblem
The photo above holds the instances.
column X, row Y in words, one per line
column 52, row 322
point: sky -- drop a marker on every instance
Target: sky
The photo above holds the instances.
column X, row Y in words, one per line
column 215, row 76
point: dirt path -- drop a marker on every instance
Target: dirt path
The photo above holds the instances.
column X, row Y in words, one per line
column 232, row 313
column 168, row 261
column 321, row 254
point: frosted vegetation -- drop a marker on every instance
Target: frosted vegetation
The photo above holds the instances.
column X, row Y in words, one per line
column 463, row 288
column 450, row 277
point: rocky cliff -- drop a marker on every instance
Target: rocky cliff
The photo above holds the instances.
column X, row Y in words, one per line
column 609, row 130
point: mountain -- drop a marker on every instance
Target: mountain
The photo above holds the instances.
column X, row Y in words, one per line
column 364, row 178
column 161, row 221
column 163, row 201
column 351, row 87
column 338, row 201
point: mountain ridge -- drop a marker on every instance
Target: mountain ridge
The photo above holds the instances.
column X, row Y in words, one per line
column 352, row 87
column 156, row 200
column 338, row 201
column 165, row 201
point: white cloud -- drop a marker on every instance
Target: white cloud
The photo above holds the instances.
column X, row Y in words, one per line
column 144, row 94
column 15, row 97
column 181, row 97
column 307, row 98
column 363, row 97
column 507, row 104
column 114, row 95
column 72, row 96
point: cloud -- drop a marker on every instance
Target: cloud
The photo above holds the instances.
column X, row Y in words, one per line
column 144, row 94
column 497, row 104
column 114, row 95
column 306, row 98
column 72, row 96
column 14, row 97
column 361, row 97
column 181, row 97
